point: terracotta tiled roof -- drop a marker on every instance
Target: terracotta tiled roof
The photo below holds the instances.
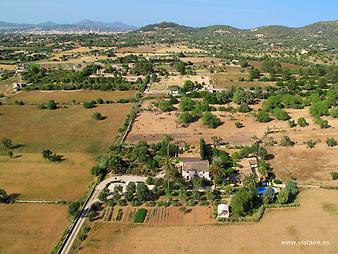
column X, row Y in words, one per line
column 195, row 164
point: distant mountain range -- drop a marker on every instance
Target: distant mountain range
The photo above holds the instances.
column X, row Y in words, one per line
column 88, row 25
column 82, row 25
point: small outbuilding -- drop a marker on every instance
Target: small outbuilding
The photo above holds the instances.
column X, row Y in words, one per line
column 222, row 211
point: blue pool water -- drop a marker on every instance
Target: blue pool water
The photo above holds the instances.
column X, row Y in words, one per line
column 262, row 190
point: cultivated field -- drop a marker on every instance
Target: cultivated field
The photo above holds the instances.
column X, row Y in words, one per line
column 277, row 225
column 35, row 97
column 31, row 228
column 31, row 177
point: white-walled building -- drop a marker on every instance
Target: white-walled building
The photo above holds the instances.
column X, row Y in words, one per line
column 191, row 167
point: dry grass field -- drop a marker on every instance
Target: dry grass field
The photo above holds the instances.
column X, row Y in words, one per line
column 71, row 129
column 315, row 169
column 277, row 225
column 7, row 67
column 226, row 80
column 35, row 97
column 178, row 81
column 31, row 228
column 33, row 178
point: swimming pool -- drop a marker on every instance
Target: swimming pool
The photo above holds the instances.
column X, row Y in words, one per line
column 262, row 190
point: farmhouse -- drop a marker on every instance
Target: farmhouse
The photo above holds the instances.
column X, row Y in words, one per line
column 191, row 167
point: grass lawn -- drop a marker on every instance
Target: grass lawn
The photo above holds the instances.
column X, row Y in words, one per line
column 33, row 178
column 35, row 97
column 31, row 228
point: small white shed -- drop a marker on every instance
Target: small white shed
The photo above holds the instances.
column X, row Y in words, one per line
column 222, row 211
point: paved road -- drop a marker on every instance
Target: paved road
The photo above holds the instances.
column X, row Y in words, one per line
column 93, row 198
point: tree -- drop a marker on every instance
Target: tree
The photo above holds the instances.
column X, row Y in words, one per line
column 142, row 192
column 254, row 74
column 89, row 104
column 186, row 104
column 168, row 166
column 7, row 143
column 180, row 67
column 243, row 201
column 203, row 149
column 103, row 195
column 283, row 196
column 250, row 181
column 130, row 190
column 165, row 106
column 217, row 171
column 211, row 120
column 3, row 196
column 331, row 142
column 10, row 154
column 98, row 116
column 268, row 195
column 74, row 208
column 51, row 105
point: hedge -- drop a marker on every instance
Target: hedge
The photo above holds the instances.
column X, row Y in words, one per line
column 140, row 215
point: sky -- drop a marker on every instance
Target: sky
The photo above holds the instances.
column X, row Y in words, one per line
column 196, row 13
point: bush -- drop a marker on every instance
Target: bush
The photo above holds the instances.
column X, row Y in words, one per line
column 74, row 208
column 334, row 112
column 280, row 114
column 41, row 106
column 310, row 144
column 140, row 215
column 20, row 103
column 334, row 175
column 51, row 105
column 98, row 116
column 302, row 122
column 324, row 124
column 239, row 124
column 186, row 117
column 292, row 123
column 211, row 120
column 89, row 104
column 277, row 181
column 286, row 141
column 331, row 142
column 165, row 106
column 263, row 116
column 244, row 108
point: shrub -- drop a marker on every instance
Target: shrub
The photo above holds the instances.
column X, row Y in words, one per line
column 165, row 106
column 41, row 106
column 98, row 116
column 20, row 103
column 292, row 123
column 286, row 141
column 244, row 108
column 140, row 215
column 281, row 114
column 324, row 124
column 100, row 101
column 331, row 142
column 334, row 175
column 211, row 120
column 302, row 122
column 74, row 208
column 277, row 181
column 310, row 144
column 51, row 105
column 186, row 117
column 239, row 124
column 263, row 116
column 334, row 112
column 89, row 104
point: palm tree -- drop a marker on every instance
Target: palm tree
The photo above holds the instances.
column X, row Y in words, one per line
column 216, row 170
column 167, row 164
column 250, row 181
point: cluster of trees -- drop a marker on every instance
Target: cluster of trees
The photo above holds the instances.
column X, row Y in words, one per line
column 49, row 155
column 41, row 79
column 7, row 145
